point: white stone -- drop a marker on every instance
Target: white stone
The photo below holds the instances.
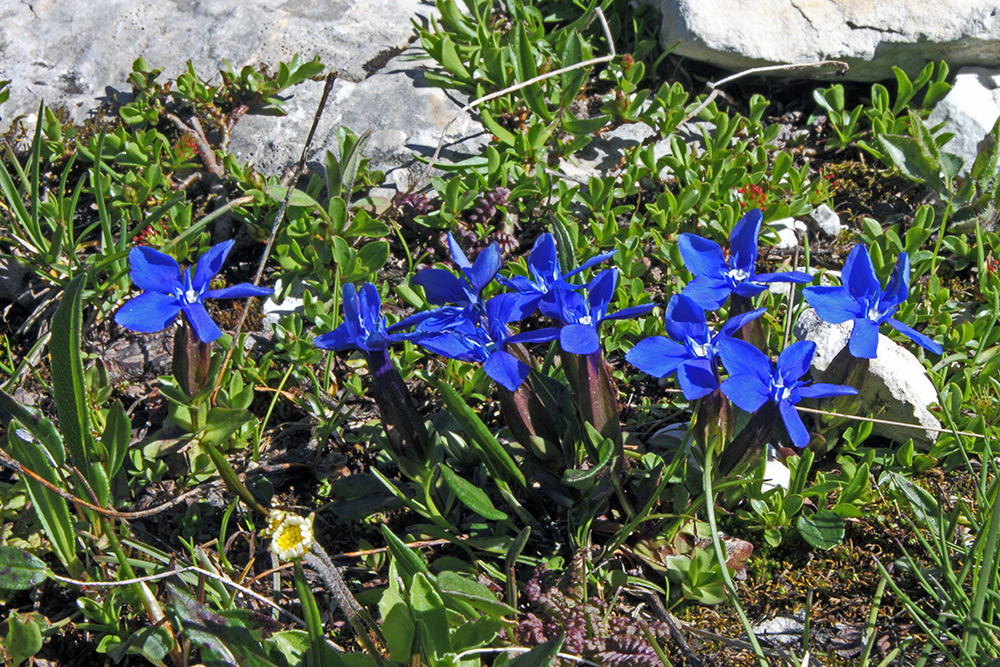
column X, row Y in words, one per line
column 788, row 230
column 274, row 310
column 897, row 387
column 776, row 473
column 969, row 111
column 870, row 35
column 827, row 220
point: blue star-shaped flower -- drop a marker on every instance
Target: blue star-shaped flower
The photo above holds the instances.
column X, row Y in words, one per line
column 169, row 291
column 716, row 278
column 693, row 350
column 364, row 325
column 582, row 317
column 546, row 278
column 753, row 381
column 483, row 341
column 465, row 292
column 862, row 299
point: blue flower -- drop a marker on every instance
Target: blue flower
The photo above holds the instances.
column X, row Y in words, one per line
column 693, row 350
column 169, row 291
column 444, row 287
column 547, row 278
column 753, row 381
column 483, row 340
column 716, row 278
column 582, row 317
column 364, row 325
column 862, row 299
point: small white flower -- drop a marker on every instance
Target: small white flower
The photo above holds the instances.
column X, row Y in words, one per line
column 291, row 535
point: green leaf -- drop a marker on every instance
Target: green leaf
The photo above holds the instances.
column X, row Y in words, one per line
column 542, row 655
column 503, row 135
column 222, row 423
column 151, row 643
column 471, row 495
column 822, row 530
column 24, row 638
column 67, row 375
column 20, row 570
column 579, row 126
column 299, row 198
column 430, row 616
column 407, row 560
column 451, row 61
column 473, row 592
column 397, row 626
column 494, row 456
column 39, row 426
column 373, row 256
column 524, row 64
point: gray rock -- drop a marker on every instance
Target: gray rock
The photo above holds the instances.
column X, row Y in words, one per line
column 870, row 35
column 13, row 280
column 79, row 55
column 275, row 310
column 826, row 220
column 897, row 388
column 969, row 111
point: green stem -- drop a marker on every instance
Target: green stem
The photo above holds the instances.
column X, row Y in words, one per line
column 267, row 415
column 721, row 557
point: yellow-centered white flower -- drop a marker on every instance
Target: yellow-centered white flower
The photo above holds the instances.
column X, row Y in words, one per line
column 291, row 535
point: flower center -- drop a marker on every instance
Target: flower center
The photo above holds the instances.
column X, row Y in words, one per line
column 703, row 350
column 586, row 319
column 190, row 295
column 739, row 275
column 779, row 392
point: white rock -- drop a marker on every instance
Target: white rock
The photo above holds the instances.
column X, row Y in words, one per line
column 969, row 111
column 776, row 473
column 827, row 220
column 897, row 388
column 787, row 230
column 870, row 35
column 274, row 311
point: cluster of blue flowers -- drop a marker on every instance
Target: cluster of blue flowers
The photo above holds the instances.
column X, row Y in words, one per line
column 692, row 350
column 465, row 326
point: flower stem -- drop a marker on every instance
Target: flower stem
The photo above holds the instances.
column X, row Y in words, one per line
column 192, row 359
column 404, row 427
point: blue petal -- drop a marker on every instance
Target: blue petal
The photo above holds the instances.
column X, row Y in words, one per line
column 524, row 306
column 338, row 339
column 371, row 307
column 685, row 319
column 702, row 257
column 543, row 335
column 461, row 261
column 209, row 265
column 858, row 275
column 579, row 339
column 735, row 323
column 152, row 271
column 435, row 320
column 593, row 261
column 485, row 268
column 148, row 312
column 505, row 369
column 746, row 392
column 351, row 305
column 455, row 346
column 864, row 339
column 630, row 312
column 441, row 286
column 696, row 379
column 747, row 289
column 709, row 292
column 823, row 390
column 898, row 289
column 741, row 358
column 238, row 291
column 783, row 277
column 657, row 356
column 793, row 424
column 201, row 322
column 543, row 261
column 503, row 308
column 743, row 241
column 564, row 305
column 794, row 361
column 832, row 304
column 602, row 290
column 917, row 337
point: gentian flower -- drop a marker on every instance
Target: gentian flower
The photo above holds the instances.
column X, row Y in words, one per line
column 753, row 381
column 169, row 291
column 693, row 351
column 444, row 287
column 861, row 299
column 546, row 278
column 716, row 277
column 483, row 341
column 582, row 317
column 364, row 325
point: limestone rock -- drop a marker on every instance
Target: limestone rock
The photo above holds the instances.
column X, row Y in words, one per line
column 788, row 230
column 897, row 388
column 870, row 35
column 78, row 56
column 969, row 111
column 826, row 220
